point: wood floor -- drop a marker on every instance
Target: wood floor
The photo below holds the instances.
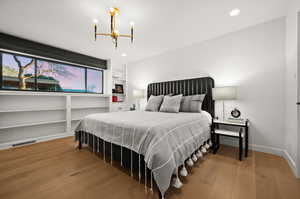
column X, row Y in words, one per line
column 56, row 170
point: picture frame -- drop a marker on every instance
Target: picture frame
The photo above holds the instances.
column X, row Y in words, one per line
column 119, row 88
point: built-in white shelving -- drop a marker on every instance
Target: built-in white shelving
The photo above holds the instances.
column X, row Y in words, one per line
column 38, row 116
column 51, row 94
column 30, row 110
column 32, row 124
column 76, row 119
column 119, row 76
column 90, row 107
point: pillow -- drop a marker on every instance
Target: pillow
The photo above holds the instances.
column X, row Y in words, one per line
column 170, row 94
column 171, row 104
column 192, row 103
column 154, row 103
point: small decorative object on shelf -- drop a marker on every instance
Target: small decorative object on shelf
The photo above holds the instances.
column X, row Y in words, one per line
column 119, row 88
column 132, row 108
column 236, row 116
column 114, row 98
column 235, row 113
column 118, row 98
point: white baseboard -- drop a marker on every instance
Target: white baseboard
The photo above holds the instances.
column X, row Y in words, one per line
column 38, row 139
column 290, row 161
column 254, row 147
column 276, row 151
column 266, row 149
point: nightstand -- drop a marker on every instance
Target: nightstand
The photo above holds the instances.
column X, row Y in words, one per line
column 241, row 134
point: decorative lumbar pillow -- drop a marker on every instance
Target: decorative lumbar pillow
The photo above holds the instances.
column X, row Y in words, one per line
column 154, row 103
column 171, row 104
column 192, row 103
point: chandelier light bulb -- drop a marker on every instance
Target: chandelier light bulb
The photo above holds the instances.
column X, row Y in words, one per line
column 114, row 11
column 235, row 12
column 132, row 24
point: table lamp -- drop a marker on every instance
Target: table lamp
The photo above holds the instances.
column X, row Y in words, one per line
column 137, row 95
column 225, row 93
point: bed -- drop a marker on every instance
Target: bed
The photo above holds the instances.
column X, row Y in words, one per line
column 155, row 144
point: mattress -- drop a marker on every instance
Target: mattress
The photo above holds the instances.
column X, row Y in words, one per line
column 165, row 140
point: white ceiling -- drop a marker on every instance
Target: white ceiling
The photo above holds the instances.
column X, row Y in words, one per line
column 160, row 25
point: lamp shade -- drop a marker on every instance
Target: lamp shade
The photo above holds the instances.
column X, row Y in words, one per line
column 138, row 93
column 225, row 93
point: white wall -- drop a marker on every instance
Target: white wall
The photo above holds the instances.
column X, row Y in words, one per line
column 292, row 83
column 253, row 59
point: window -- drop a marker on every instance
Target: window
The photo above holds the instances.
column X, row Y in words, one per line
column 34, row 74
column 53, row 76
column 94, row 81
column 18, row 72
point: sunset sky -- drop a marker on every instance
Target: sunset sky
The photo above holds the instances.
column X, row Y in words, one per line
column 69, row 77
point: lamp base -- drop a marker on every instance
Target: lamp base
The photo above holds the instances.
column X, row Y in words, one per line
column 223, row 110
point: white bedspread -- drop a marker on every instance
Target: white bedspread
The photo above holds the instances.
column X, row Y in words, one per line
column 165, row 139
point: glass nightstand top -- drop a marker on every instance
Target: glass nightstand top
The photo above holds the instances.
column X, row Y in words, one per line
column 231, row 122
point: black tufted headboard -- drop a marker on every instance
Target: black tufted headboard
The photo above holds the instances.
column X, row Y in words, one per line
column 186, row 87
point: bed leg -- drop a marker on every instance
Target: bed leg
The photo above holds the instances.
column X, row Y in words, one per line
column 79, row 140
column 160, row 195
column 139, row 168
column 131, row 163
column 145, row 176
column 79, row 145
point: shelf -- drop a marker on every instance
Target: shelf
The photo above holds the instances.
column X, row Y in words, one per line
column 32, row 124
column 26, row 114
column 227, row 132
column 236, row 123
column 36, row 93
column 31, row 110
column 119, row 94
column 91, row 107
column 121, row 80
column 77, row 119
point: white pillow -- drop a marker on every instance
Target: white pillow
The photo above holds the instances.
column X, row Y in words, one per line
column 192, row 103
column 171, row 104
column 154, row 103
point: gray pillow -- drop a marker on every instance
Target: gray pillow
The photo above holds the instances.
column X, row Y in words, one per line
column 171, row 104
column 154, row 103
column 192, row 103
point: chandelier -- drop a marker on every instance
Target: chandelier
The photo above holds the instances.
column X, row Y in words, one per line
column 114, row 33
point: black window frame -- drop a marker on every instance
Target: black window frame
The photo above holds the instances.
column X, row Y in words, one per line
column 53, row 61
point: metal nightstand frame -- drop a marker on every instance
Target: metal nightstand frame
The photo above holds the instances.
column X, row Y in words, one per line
column 216, row 137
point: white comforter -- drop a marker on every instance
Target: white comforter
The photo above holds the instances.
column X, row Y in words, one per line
column 165, row 139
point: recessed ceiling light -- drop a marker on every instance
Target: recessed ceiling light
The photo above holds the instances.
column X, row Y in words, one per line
column 124, row 55
column 235, row 12
column 95, row 21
